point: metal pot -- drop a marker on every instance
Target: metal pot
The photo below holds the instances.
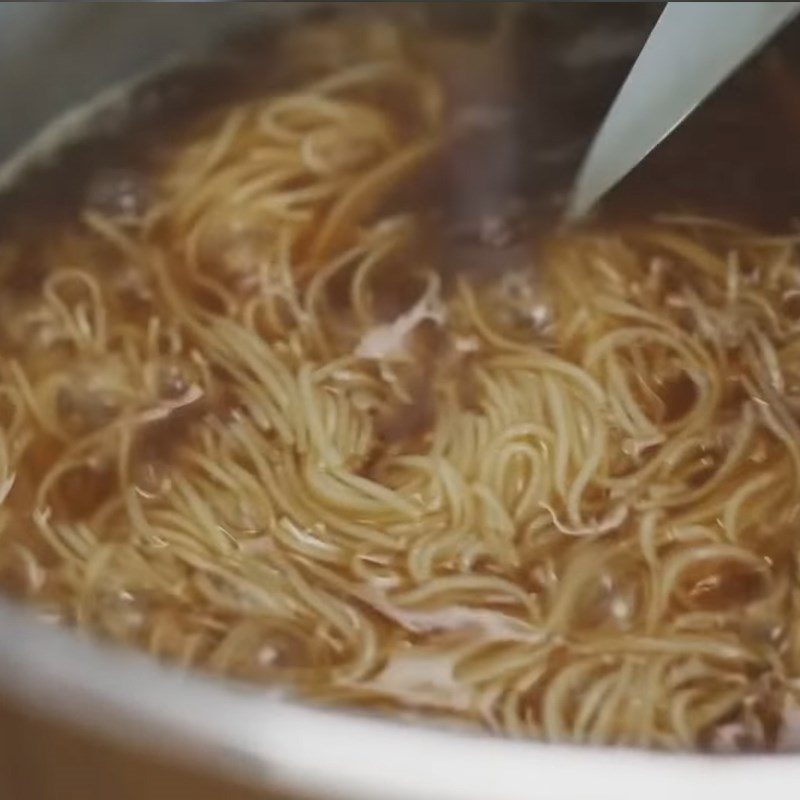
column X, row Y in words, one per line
column 83, row 720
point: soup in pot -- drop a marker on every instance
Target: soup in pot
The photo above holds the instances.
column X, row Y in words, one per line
column 302, row 383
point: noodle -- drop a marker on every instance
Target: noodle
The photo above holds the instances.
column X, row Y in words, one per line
column 302, row 457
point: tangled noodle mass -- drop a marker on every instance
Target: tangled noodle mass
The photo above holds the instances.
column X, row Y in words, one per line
column 251, row 429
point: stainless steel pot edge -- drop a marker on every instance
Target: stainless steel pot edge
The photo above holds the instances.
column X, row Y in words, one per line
column 258, row 737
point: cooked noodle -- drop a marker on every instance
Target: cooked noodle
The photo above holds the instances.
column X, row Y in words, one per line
column 252, row 431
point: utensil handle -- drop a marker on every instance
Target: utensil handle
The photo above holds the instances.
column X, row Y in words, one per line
column 691, row 50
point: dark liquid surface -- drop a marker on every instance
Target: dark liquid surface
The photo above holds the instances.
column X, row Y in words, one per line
column 736, row 157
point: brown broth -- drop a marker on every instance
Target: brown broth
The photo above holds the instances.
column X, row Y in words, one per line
column 735, row 158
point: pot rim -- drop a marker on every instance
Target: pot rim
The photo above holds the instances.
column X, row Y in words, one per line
column 265, row 739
